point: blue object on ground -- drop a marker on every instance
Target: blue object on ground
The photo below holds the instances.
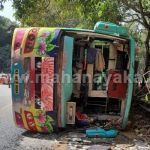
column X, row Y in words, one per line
column 99, row 132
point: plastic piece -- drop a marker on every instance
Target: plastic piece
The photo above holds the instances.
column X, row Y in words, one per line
column 99, row 132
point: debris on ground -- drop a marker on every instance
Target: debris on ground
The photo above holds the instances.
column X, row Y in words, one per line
column 99, row 132
column 141, row 124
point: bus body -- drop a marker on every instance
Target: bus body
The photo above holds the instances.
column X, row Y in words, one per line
column 45, row 61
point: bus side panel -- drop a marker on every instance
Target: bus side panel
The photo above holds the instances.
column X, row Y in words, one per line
column 130, row 84
column 66, row 77
column 32, row 99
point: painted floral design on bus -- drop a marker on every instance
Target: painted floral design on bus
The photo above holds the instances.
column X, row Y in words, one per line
column 19, row 120
column 30, row 120
column 47, row 83
column 44, row 121
column 30, row 40
column 45, row 43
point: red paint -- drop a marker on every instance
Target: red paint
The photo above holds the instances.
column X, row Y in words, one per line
column 18, row 39
column 30, row 121
column 32, row 79
column 19, row 120
column 47, row 76
column 117, row 90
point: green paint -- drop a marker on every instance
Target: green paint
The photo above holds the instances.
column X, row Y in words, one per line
column 48, row 41
column 43, row 41
column 111, row 29
column 130, row 84
column 48, row 123
column 44, row 121
column 67, row 87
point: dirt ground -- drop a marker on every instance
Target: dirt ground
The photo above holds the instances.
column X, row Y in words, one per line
column 76, row 139
column 135, row 137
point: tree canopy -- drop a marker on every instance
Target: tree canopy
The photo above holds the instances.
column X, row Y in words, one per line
column 66, row 13
column 138, row 12
column 85, row 13
column 6, row 31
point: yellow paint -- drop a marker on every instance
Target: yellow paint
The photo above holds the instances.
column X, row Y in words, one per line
column 23, row 45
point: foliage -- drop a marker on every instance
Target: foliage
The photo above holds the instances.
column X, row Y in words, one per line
column 66, row 13
column 1, row 4
column 138, row 12
column 5, row 58
column 6, row 31
column 45, row 13
column 85, row 13
column 97, row 10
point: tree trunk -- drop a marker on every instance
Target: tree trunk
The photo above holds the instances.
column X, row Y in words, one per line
column 147, row 45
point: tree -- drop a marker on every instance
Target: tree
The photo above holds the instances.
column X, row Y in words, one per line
column 97, row 10
column 118, row 11
column 6, row 30
column 46, row 13
column 1, row 4
column 66, row 13
column 85, row 13
column 138, row 11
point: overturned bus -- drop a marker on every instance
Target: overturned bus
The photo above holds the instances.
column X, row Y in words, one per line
column 58, row 72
